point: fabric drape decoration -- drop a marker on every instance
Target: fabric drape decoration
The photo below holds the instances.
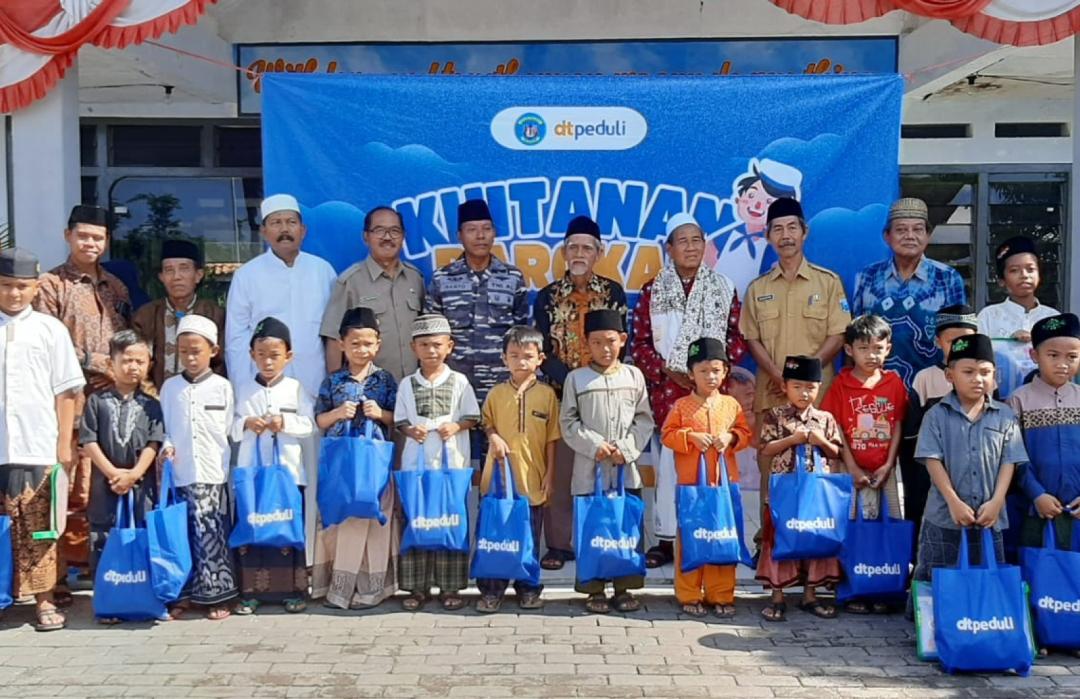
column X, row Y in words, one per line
column 1013, row 22
column 40, row 38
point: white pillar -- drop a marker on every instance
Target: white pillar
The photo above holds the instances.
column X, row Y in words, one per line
column 45, row 169
column 1074, row 191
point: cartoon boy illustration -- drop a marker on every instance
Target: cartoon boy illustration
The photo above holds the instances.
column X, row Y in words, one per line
column 740, row 251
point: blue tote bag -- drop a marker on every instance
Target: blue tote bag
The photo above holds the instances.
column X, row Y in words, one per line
column 710, row 521
column 809, row 510
column 123, row 588
column 1054, row 577
column 505, row 549
column 876, row 557
column 608, row 532
column 167, row 537
column 354, row 473
column 434, row 501
column 981, row 621
column 269, row 509
column 7, row 565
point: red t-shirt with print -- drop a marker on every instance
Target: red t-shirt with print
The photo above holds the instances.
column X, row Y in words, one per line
column 869, row 417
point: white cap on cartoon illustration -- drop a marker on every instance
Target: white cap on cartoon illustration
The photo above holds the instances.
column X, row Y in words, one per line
column 779, row 179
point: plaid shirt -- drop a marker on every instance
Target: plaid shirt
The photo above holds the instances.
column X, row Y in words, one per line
column 910, row 308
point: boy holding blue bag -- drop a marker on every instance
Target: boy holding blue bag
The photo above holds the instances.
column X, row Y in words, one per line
column 606, row 419
column 356, row 560
column 784, row 429
column 121, row 430
column 971, row 445
column 436, row 407
column 274, row 415
column 521, row 420
column 711, row 426
column 1049, row 412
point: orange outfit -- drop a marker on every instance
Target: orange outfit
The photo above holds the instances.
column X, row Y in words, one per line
column 716, row 416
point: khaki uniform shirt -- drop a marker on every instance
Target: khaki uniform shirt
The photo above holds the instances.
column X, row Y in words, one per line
column 793, row 317
column 528, row 422
column 396, row 303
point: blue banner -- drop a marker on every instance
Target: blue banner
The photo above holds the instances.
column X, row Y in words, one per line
column 630, row 152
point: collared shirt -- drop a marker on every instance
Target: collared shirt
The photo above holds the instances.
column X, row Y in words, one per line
column 1050, row 421
column 930, row 385
column 197, row 415
column 481, row 307
column 717, row 416
column 284, row 397
column 37, row 363
column 910, row 307
column 793, row 317
column 91, row 310
column 297, row 296
column 605, row 405
column 341, row 386
column 782, row 421
column 972, row 452
column 559, row 312
column 445, row 398
column 122, row 427
column 528, row 421
column 1000, row 321
column 157, row 321
column 396, row 300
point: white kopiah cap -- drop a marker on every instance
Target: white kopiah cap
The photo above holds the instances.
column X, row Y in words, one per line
column 199, row 325
column 679, row 220
column 279, row 202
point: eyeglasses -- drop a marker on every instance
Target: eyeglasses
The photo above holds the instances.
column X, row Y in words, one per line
column 388, row 233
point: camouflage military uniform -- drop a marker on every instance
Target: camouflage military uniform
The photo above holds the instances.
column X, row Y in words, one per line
column 481, row 307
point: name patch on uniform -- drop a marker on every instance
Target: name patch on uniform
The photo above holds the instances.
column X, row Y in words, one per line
column 502, row 284
column 456, row 284
column 813, row 298
column 542, row 416
column 766, row 297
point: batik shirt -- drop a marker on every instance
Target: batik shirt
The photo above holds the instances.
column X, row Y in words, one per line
column 481, row 307
column 910, row 308
column 1050, row 421
column 341, row 386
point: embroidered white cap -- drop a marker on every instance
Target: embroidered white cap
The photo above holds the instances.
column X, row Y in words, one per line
column 198, row 325
column 680, row 219
column 278, row 202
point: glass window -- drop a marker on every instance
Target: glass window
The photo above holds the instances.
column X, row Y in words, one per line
column 213, row 211
column 155, row 146
column 238, row 146
column 1032, row 206
column 88, row 145
column 89, row 190
column 951, row 201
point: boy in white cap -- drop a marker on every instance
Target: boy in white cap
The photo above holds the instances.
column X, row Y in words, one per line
column 197, row 405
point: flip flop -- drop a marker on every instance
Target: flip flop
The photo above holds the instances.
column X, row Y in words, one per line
column 295, row 605
column 777, row 612
column 451, row 602
column 625, row 602
column 414, row 602
column 724, row 611
column 488, row 604
column 695, row 609
column 819, row 609
column 219, row 613
column 49, row 620
column 530, row 600
column 246, row 607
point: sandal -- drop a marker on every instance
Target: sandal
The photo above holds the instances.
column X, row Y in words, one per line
column 488, row 604
column 695, row 609
column 49, row 619
column 880, row 608
column 819, row 609
column 414, row 602
column 597, row 604
column 555, row 559
column 530, row 600
column 659, row 555
column 176, row 612
column 451, row 601
column 774, row 611
column 246, row 607
column 857, row 608
column 218, row 613
column 625, row 602
column 295, row 605
column 724, row 611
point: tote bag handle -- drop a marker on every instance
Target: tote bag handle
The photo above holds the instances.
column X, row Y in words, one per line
column 989, row 555
column 721, row 466
column 502, row 480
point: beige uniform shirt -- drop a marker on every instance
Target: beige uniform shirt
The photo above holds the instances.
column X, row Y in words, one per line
column 396, row 302
column 793, row 317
